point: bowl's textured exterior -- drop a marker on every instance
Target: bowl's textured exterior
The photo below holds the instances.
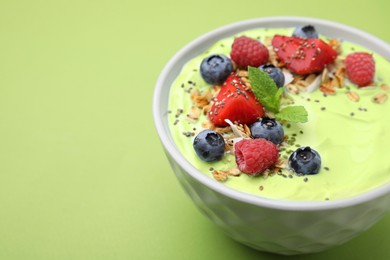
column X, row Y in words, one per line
column 280, row 231
column 283, row 227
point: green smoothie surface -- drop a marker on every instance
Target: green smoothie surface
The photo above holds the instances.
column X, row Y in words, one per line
column 353, row 138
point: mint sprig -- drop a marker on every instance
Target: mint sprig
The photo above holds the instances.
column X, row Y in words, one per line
column 269, row 96
column 264, row 89
column 296, row 114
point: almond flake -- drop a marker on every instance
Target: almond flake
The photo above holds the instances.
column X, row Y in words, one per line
column 292, row 89
column 379, row 98
column 220, row 175
column 242, row 73
column 281, row 163
column 201, row 99
column 206, row 109
column 193, row 114
column 207, row 124
column 234, row 172
column 335, row 44
column 385, row 87
column 353, row 96
column 268, row 41
column 327, row 88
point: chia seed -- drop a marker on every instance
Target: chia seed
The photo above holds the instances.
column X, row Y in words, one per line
column 188, row 134
column 190, row 82
column 291, row 142
column 178, row 112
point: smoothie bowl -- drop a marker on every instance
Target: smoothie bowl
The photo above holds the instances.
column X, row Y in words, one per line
column 283, row 150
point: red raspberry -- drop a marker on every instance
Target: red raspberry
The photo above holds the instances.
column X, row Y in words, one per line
column 360, row 68
column 248, row 52
column 254, row 156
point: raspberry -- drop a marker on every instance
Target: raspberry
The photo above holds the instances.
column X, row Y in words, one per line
column 248, row 52
column 360, row 68
column 254, row 156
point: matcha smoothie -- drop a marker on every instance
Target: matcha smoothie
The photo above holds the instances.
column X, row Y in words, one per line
column 346, row 124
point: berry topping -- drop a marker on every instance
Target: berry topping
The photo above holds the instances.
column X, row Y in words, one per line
column 303, row 56
column 216, row 68
column 236, row 103
column 209, row 146
column 248, row 52
column 360, row 68
column 275, row 73
column 269, row 129
column 306, row 31
column 254, row 156
column 305, row 160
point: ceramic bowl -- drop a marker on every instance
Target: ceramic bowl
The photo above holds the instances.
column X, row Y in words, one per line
column 278, row 226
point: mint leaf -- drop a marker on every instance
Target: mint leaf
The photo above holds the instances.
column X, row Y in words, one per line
column 265, row 89
column 279, row 93
column 271, row 104
column 269, row 95
column 295, row 114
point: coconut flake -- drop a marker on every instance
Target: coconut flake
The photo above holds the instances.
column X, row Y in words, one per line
column 315, row 84
column 234, row 129
column 288, row 77
column 236, row 140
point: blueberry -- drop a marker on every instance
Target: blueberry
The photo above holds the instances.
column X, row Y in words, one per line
column 269, row 129
column 305, row 160
column 306, row 31
column 216, row 68
column 209, row 146
column 275, row 73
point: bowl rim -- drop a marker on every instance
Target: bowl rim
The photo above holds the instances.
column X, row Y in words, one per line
column 231, row 193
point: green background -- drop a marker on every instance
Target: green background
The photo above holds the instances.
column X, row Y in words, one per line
column 82, row 171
